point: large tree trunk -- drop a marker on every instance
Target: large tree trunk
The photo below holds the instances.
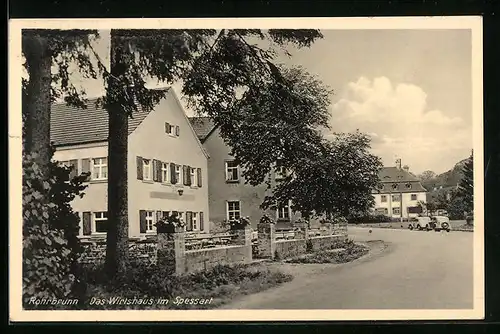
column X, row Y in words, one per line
column 117, row 236
column 39, row 61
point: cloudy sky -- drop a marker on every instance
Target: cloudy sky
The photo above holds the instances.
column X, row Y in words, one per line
column 409, row 89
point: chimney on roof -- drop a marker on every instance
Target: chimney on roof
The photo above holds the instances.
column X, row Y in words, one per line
column 398, row 163
column 406, row 168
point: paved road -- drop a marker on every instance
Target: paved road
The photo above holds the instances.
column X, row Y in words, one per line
column 418, row 270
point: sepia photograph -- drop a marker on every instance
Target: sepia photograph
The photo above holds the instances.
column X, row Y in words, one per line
column 246, row 169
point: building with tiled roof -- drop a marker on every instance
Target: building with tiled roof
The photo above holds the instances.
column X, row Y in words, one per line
column 399, row 193
column 166, row 163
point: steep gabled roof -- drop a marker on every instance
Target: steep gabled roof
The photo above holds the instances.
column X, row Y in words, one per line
column 397, row 180
column 390, row 174
column 203, row 127
column 71, row 125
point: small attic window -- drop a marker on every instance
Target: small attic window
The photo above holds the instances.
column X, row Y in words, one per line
column 408, row 185
column 395, row 186
column 387, row 177
column 172, row 130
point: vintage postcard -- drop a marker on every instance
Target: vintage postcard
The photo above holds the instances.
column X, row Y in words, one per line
column 246, row 169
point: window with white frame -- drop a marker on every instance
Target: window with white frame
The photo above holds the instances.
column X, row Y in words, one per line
column 100, row 168
column 194, row 216
column 170, row 129
column 383, row 198
column 193, row 177
column 232, row 171
column 165, row 171
column 233, row 210
column 396, row 211
column 178, row 174
column 150, row 221
column 146, row 169
column 100, row 222
column 283, row 212
column 413, row 197
column 395, row 198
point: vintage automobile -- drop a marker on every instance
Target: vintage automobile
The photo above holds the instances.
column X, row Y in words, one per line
column 436, row 223
column 420, row 223
column 440, row 223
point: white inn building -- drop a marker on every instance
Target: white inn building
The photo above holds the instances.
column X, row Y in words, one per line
column 399, row 193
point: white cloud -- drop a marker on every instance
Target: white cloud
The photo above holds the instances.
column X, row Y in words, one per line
column 400, row 123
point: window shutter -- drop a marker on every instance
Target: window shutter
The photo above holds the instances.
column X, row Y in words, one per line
column 74, row 169
column 159, row 164
column 189, row 221
column 177, row 130
column 202, row 223
column 188, row 174
column 158, row 215
column 198, row 171
column 87, row 223
column 185, row 174
column 173, row 178
column 155, row 170
column 142, row 221
column 139, row 168
column 86, row 168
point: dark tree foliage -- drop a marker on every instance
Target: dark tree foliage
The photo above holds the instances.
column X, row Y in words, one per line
column 466, row 185
column 337, row 180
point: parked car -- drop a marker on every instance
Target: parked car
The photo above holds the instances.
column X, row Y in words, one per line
column 436, row 223
column 421, row 223
column 440, row 223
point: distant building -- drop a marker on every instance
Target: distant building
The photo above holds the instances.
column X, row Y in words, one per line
column 399, row 193
column 167, row 165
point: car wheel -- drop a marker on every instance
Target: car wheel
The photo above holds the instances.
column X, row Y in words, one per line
column 448, row 230
column 410, row 227
column 419, row 227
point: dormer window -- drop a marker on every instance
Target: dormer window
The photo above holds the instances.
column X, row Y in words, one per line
column 395, row 186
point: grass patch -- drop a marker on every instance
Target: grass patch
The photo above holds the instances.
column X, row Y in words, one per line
column 465, row 227
column 340, row 253
column 146, row 288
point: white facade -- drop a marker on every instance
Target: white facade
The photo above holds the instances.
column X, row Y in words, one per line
column 150, row 141
column 386, row 204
